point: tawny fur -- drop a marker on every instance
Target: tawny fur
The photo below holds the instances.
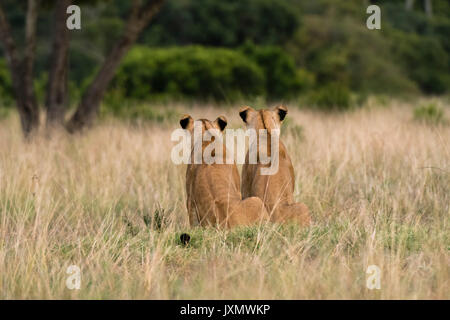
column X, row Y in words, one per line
column 213, row 190
column 275, row 190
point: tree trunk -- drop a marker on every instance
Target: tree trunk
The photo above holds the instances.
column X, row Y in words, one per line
column 28, row 63
column 409, row 4
column 429, row 8
column 139, row 17
column 56, row 98
column 22, row 72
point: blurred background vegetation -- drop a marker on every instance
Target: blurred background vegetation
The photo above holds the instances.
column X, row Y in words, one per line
column 276, row 50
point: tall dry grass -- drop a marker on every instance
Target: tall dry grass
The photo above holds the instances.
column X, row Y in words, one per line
column 377, row 184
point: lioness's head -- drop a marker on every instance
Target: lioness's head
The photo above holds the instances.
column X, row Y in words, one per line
column 209, row 129
column 186, row 122
column 263, row 119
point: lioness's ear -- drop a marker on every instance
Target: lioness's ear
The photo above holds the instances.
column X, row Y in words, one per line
column 245, row 112
column 282, row 112
column 186, row 122
column 221, row 122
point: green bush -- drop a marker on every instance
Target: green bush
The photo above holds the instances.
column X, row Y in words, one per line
column 345, row 51
column 333, row 96
column 187, row 72
column 429, row 113
column 424, row 59
column 283, row 80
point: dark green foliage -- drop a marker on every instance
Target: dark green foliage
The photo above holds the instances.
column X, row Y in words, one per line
column 334, row 96
column 208, row 73
column 222, row 23
column 192, row 72
column 282, row 79
column 420, row 45
column 345, row 51
column 276, row 49
column 425, row 61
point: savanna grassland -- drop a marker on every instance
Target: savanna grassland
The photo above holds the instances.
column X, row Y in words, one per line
column 111, row 201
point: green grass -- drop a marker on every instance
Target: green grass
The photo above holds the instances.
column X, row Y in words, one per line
column 430, row 113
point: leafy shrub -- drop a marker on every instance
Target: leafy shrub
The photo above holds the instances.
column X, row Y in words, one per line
column 333, row 96
column 425, row 60
column 187, row 72
column 159, row 220
column 429, row 113
column 345, row 51
column 283, row 80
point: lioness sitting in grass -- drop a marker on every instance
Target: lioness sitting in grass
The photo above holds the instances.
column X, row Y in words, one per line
column 213, row 190
column 276, row 190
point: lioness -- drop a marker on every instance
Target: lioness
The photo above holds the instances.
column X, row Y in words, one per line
column 213, row 190
column 275, row 190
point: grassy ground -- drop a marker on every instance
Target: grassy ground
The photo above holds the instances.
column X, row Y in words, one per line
column 111, row 202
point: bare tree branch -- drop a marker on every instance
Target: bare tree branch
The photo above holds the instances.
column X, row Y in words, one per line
column 56, row 98
column 22, row 72
column 30, row 51
column 140, row 16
